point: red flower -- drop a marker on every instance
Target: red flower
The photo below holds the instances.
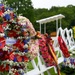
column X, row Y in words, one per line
column 2, row 68
column 7, row 67
column 1, row 13
column 4, row 24
column 26, row 59
column 3, row 55
column 16, row 73
column 6, row 55
column 19, row 58
column 19, row 45
column 2, row 42
column 12, row 15
column 1, row 29
column 11, row 56
column 12, row 33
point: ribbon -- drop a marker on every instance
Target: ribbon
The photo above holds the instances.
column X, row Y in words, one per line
column 51, row 49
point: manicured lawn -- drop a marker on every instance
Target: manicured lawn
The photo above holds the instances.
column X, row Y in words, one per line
column 53, row 73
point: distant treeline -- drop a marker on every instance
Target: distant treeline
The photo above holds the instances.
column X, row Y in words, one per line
column 68, row 21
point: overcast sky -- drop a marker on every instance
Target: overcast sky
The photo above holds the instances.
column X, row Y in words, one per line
column 49, row 3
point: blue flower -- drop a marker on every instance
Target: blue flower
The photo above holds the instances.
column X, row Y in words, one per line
column 7, row 17
column 1, row 5
column 65, row 60
column 11, row 9
column 25, row 41
column 5, row 36
column 26, row 50
column 22, row 73
column 15, row 59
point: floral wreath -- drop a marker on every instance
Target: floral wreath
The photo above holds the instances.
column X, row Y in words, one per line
column 44, row 50
column 63, row 47
column 17, row 45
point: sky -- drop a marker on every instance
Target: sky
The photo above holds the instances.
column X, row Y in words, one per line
column 49, row 3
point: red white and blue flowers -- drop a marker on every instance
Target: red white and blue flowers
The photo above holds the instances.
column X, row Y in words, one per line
column 16, row 46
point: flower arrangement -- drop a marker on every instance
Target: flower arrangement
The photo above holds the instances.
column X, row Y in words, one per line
column 44, row 50
column 17, row 45
column 63, row 47
column 68, row 66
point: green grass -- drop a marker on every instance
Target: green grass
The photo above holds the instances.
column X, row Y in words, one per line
column 53, row 73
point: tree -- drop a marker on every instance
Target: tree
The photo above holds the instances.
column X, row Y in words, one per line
column 68, row 12
column 23, row 7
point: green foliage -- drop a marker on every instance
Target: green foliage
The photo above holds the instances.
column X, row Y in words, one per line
column 3, row 73
column 68, row 12
column 1, row 20
column 67, row 70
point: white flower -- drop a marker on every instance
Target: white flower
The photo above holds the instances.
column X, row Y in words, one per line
column 5, row 48
column 2, row 34
column 22, row 54
column 73, row 52
column 11, row 62
column 10, row 72
column 17, row 64
column 19, row 37
column 7, row 60
column 25, row 46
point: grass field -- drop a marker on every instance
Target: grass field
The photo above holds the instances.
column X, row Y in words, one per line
column 53, row 73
